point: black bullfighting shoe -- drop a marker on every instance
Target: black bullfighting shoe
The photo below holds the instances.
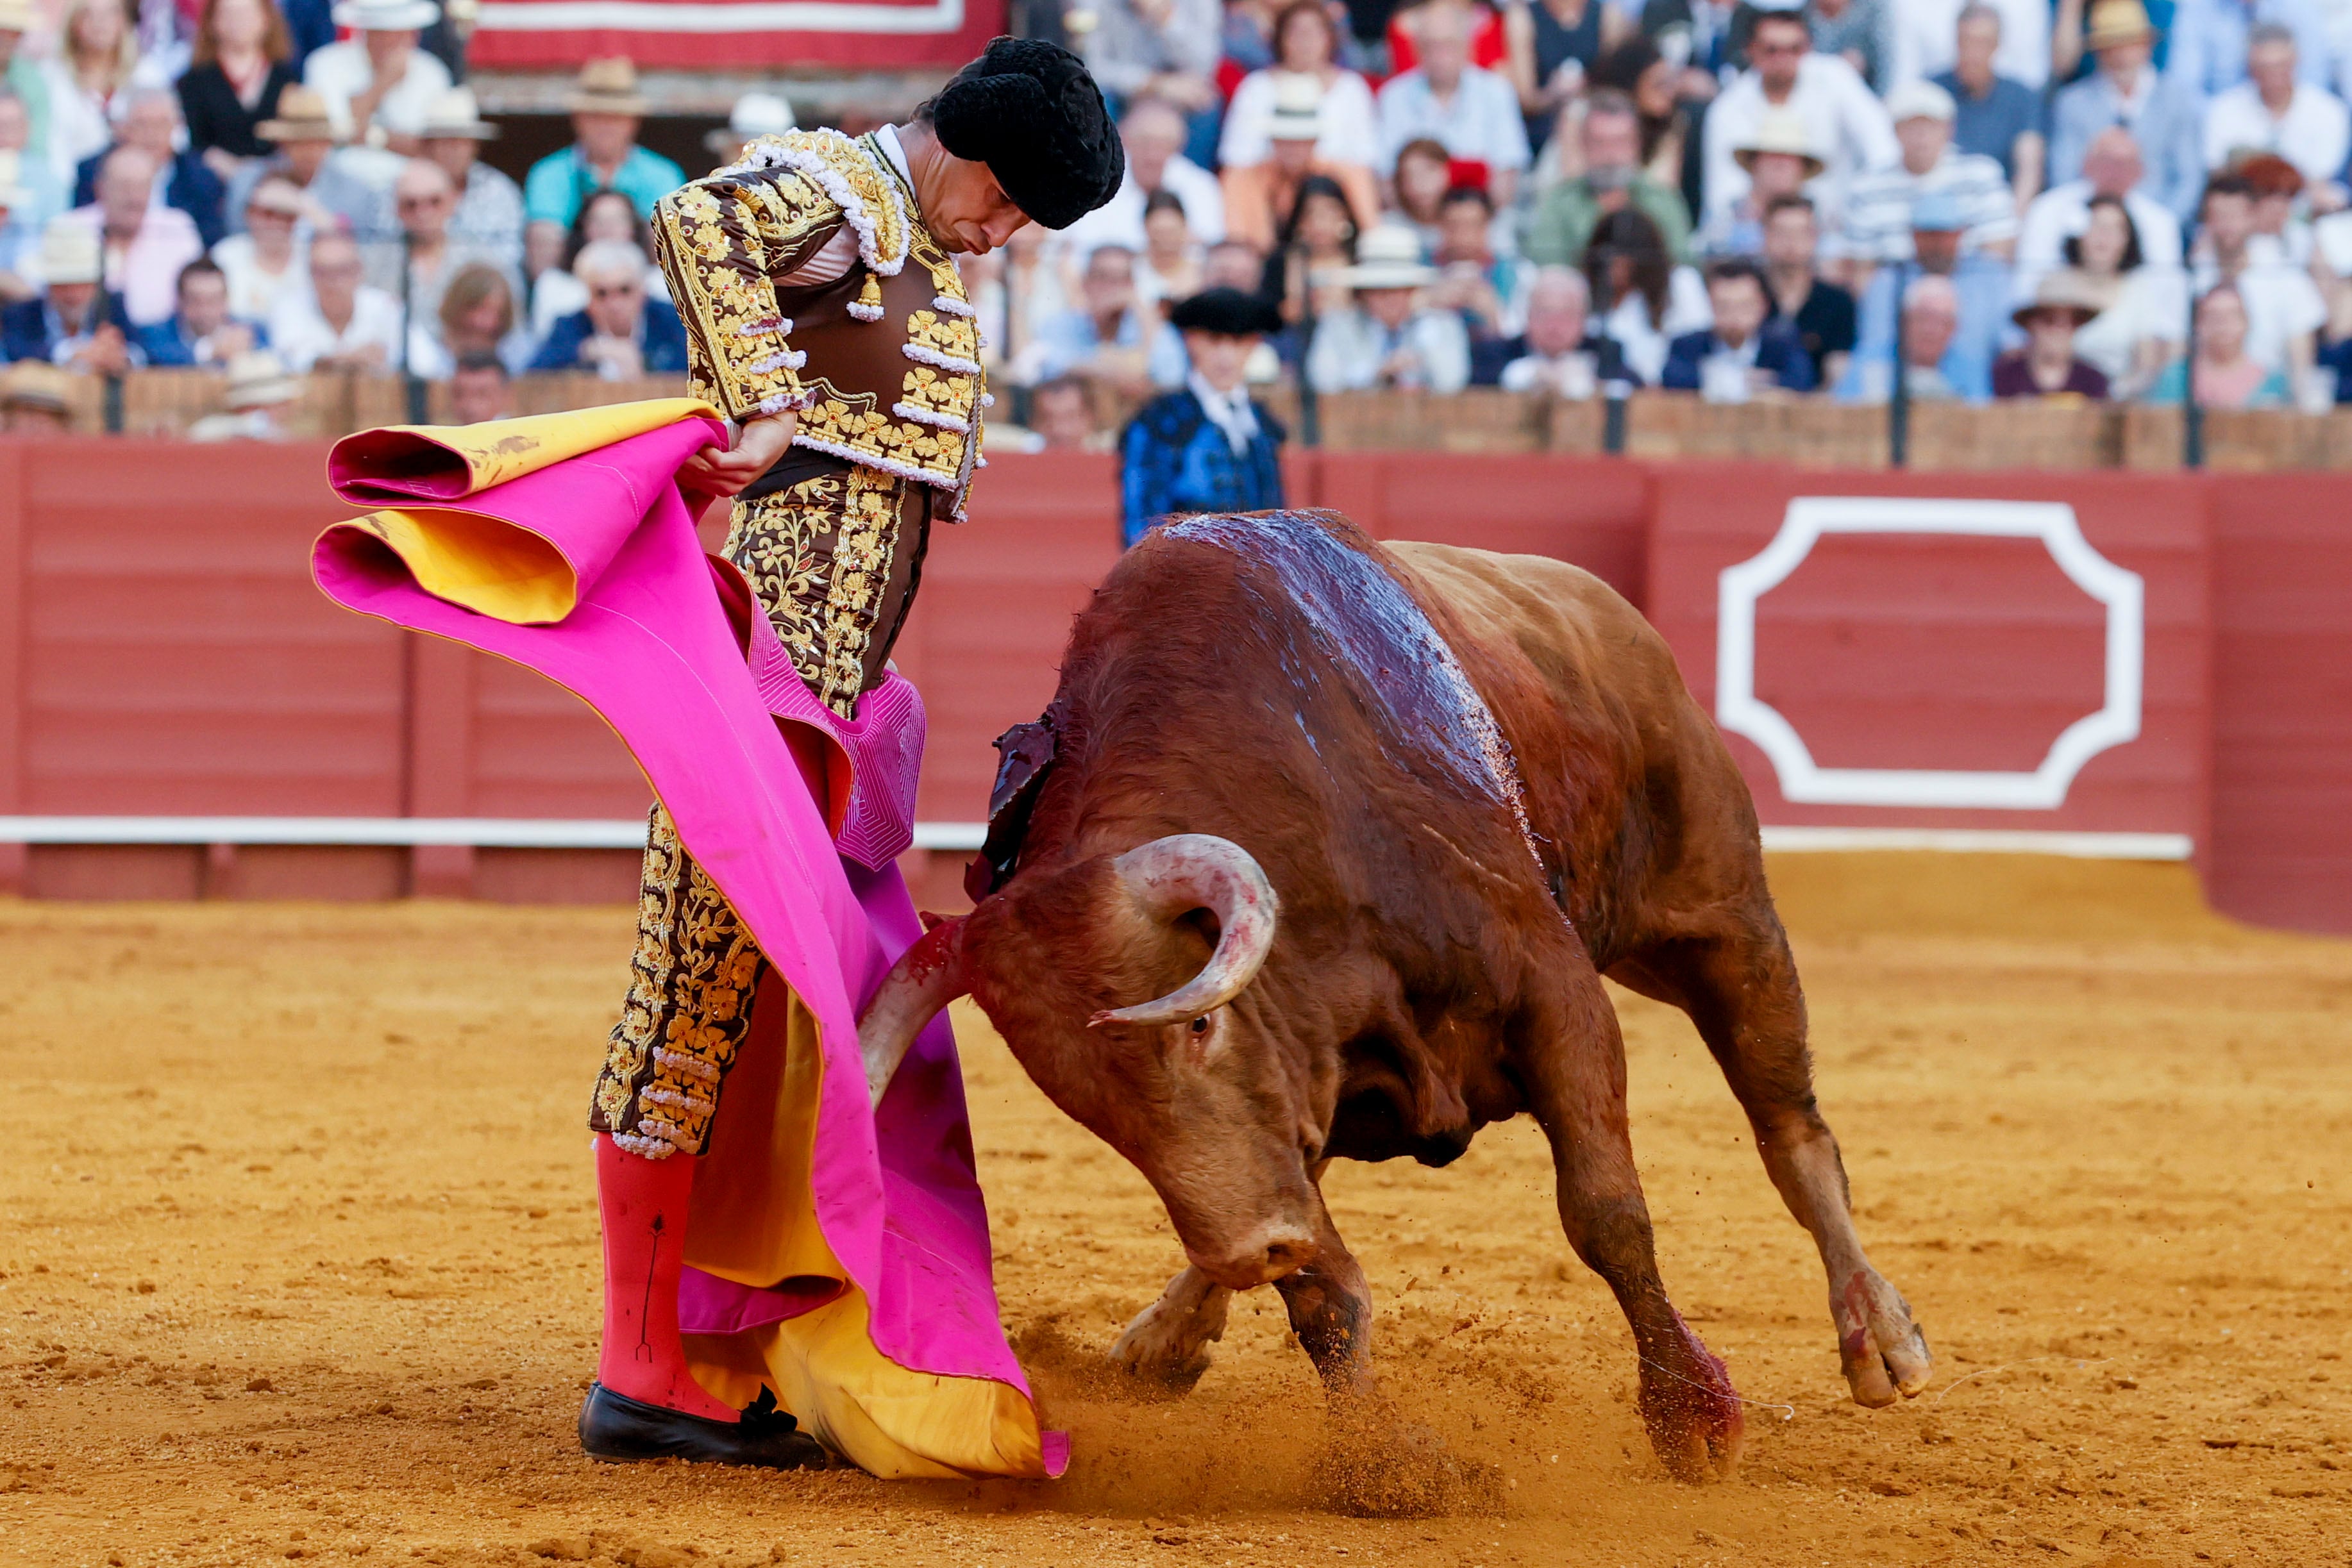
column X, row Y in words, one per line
column 620, row 1430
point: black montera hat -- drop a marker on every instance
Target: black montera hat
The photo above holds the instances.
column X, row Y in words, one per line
column 1231, row 311
column 1029, row 110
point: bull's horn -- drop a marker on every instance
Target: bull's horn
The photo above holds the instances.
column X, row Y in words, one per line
column 1168, row 877
column 926, row 977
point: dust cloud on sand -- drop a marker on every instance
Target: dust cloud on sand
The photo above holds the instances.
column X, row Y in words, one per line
column 298, row 1260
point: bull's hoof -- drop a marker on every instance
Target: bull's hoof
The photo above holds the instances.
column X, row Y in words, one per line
column 1694, row 1415
column 1883, row 1352
column 1167, row 1345
column 1402, row 1470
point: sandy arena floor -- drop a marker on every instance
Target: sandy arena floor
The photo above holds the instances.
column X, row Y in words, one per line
column 298, row 1261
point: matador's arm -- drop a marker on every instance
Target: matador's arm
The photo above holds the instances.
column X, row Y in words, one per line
column 724, row 243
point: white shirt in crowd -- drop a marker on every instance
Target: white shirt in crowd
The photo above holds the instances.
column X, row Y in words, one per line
column 1878, row 205
column 1350, row 347
column 1350, row 125
column 1480, row 124
column 2062, row 212
column 254, row 294
column 1119, row 221
column 2153, row 305
column 1843, row 120
column 301, row 336
column 1644, row 342
column 1921, row 40
column 2314, row 134
column 340, row 72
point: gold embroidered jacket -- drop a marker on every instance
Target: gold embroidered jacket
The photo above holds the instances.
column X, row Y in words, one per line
column 883, row 363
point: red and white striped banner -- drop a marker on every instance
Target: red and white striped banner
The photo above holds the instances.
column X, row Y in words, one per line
column 734, row 35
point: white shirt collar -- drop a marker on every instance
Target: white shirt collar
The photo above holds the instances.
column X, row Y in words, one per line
column 887, row 140
column 1229, row 411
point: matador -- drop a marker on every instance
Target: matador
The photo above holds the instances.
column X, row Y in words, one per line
column 817, row 277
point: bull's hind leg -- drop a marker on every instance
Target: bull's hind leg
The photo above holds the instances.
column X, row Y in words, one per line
column 1168, row 1340
column 1741, row 991
column 1572, row 1066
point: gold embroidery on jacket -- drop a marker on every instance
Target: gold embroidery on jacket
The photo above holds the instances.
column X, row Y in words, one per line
column 819, row 557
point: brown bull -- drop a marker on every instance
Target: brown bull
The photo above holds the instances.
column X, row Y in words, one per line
column 1335, row 844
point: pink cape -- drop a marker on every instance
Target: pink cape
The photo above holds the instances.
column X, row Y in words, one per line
column 648, row 645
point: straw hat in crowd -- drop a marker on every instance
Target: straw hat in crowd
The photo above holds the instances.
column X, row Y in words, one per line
column 35, row 383
column 1390, row 257
column 756, row 114
column 2114, row 23
column 2058, row 293
column 301, row 117
column 1298, row 108
column 257, row 379
column 454, row 114
column 1779, row 131
column 386, row 16
column 1920, row 99
column 69, row 252
column 607, row 87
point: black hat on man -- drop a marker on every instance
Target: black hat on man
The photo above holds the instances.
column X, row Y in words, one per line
column 1028, row 109
column 1231, row 311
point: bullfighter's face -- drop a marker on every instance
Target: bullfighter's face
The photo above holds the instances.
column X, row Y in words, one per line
column 1206, row 1106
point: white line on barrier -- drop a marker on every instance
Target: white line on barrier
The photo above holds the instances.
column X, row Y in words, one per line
column 735, row 17
column 1987, row 841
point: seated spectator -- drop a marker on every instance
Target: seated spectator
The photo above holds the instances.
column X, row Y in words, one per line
column 378, row 79
column 2270, row 111
column 269, row 258
column 1105, row 336
column 338, row 323
column 98, row 54
column 1385, row 338
column 258, row 391
column 1424, row 172
column 244, row 61
column 1747, row 352
column 1613, row 178
column 1554, row 44
column 146, row 245
column 1669, row 143
column 2048, row 366
column 72, row 322
column 1170, row 266
column 20, row 240
column 1921, row 40
column 424, row 198
column 2227, row 376
column 2283, row 306
column 755, row 114
column 607, row 112
column 478, row 316
column 1995, row 116
column 623, row 333
column 606, row 215
column 1982, row 290
column 1307, row 43
column 2111, row 168
column 1205, row 447
column 151, row 122
column 1158, row 48
column 1474, row 282
column 2281, row 231
column 2209, row 42
column 1844, row 125
column 2142, row 310
column 33, row 399
column 1779, row 162
column 333, row 195
column 42, row 193
column 1152, row 133
column 479, row 388
column 1259, row 198
column 2159, row 114
column 1556, row 354
column 1645, row 301
column 1931, row 325
column 1062, row 416
column 201, row 331
column 1879, row 203
column 1821, row 313
column 23, row 80
column 1855, row 31
column 488, row 218
column 1246, row 41
column 1472, row 110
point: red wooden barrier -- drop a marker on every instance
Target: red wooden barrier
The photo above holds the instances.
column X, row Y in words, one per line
column 163, row 654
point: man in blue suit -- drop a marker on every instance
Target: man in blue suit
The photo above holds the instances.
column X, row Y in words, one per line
column 1748, row 350
column 625, row 333
column 151, row 124
column 1205, row 447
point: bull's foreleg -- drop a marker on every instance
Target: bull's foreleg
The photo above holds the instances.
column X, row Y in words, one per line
column 1572, row 1066
column 1331, row 1306
column 1168, row 1340
column 1742, row 995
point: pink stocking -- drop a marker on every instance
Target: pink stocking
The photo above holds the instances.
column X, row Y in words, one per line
column 642, row 1203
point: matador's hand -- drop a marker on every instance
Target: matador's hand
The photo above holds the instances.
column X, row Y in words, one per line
column 717, row 471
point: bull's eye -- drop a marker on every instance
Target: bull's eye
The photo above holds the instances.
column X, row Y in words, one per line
column 1201, row 1025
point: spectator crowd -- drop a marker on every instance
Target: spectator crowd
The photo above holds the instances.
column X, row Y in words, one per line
column 1735, row 199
